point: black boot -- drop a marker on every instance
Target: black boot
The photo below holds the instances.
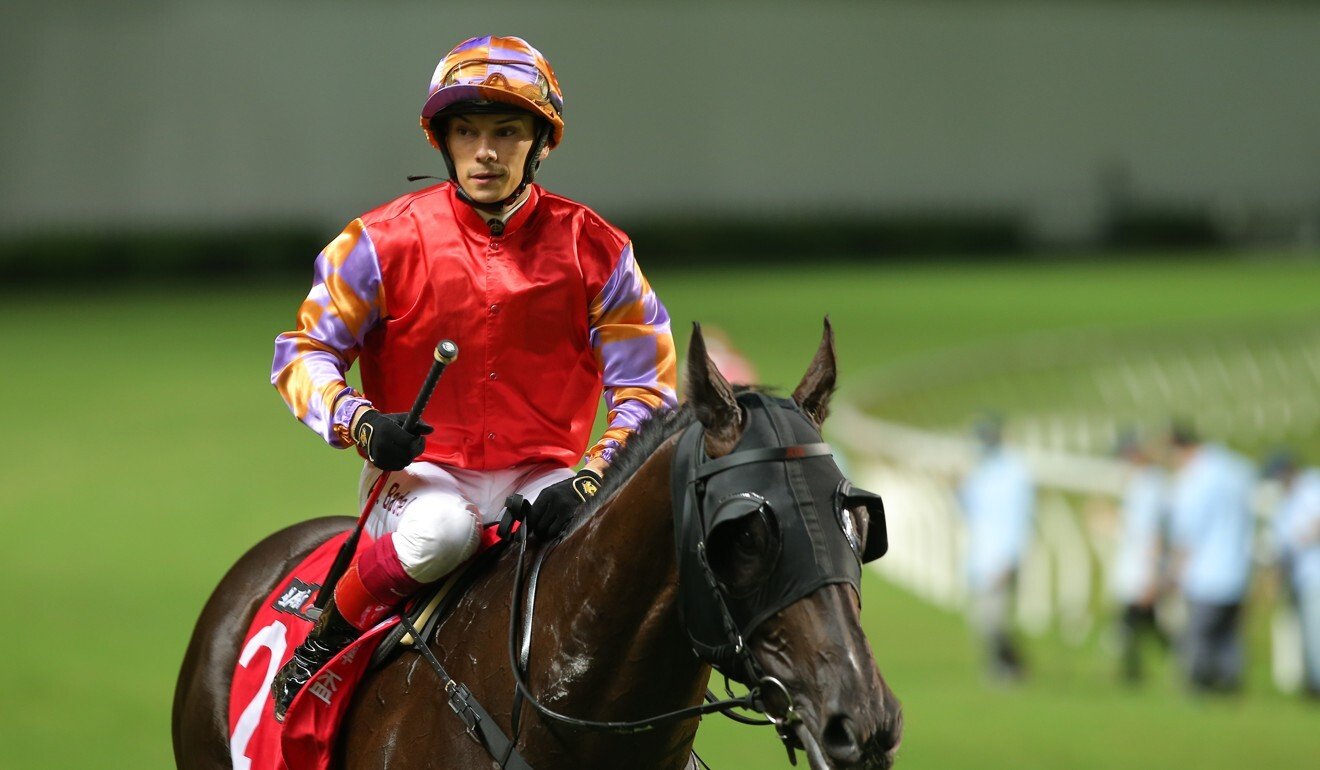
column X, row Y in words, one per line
column 330, row 635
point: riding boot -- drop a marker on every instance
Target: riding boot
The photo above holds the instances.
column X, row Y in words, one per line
column 331, row 634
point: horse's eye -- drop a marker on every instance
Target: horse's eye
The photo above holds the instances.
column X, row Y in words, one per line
column 743, row 552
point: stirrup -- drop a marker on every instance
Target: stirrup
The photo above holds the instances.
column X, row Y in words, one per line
column 330, row 635
column 307, row 661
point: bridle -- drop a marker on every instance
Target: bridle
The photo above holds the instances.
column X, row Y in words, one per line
column 782, row 472
column 716, row 625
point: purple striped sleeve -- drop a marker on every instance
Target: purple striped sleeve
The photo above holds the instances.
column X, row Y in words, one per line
column 344, row 304
column 630, row 334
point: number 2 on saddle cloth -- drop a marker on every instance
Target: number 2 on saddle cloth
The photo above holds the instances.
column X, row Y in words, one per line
column 283, row 620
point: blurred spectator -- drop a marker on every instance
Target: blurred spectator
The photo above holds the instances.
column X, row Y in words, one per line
column 1297, row 539
column 1211, row 532
column 1138, row 564
column 998, row 499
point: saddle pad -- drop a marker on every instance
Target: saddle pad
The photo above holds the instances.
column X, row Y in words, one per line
column 305, row 740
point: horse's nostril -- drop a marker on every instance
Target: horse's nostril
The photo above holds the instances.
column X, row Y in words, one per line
column 840, row 739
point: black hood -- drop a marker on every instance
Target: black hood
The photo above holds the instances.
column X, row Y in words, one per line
column 779, row 467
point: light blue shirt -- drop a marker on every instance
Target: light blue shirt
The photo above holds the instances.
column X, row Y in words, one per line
column 998, row 499
column 1296, row 518
column 1212, row 524
column 1144, row 515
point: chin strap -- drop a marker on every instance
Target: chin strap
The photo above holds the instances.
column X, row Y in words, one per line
column 495, row 224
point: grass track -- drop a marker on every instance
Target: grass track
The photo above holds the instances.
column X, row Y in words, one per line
column 146, row 452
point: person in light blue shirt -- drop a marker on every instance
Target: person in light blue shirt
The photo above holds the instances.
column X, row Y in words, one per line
column 1296, row 530
column 1211, row 530
column 1136, row 575
column 998, row 499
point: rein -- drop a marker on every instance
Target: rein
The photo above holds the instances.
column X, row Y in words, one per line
column 719, row 640
column 750, row 701
column 482, row 728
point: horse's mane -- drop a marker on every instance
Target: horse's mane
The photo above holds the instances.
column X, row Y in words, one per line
column 648, row 437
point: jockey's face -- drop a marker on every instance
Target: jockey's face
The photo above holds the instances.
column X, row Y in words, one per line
column 490, row 152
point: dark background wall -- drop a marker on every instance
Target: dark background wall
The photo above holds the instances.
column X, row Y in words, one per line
column 1023, row 123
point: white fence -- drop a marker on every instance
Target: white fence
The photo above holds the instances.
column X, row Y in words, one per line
column 1066, row 398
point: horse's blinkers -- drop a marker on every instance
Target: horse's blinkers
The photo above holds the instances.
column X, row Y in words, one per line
column 783, row 473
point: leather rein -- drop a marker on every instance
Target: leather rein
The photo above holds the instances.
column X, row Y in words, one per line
column 482, row 728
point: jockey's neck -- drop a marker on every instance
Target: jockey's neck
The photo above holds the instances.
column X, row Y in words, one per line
column 501, row 213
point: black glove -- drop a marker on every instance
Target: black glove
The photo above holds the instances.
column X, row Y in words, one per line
column 556, row 503
column 388, row 446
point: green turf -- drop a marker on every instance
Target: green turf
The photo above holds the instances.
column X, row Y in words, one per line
column 146, row 451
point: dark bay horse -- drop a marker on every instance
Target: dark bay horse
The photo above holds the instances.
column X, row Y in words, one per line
column 609, row 641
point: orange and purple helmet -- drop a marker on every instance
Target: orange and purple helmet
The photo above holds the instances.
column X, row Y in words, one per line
column 485, row 73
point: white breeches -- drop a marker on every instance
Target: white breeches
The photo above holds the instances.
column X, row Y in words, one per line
column 435, row 512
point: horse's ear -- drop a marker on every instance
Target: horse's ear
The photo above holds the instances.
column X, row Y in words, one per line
column 813, row 393
column 711, row 397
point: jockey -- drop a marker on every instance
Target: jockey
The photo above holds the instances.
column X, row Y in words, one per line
column 548, row 306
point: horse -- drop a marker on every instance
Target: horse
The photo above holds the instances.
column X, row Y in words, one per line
column 611, row 637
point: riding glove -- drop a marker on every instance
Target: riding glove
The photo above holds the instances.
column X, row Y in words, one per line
column 555, row 505
column 387, row 445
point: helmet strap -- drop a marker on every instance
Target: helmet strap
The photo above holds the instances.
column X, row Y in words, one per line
column 533, row 161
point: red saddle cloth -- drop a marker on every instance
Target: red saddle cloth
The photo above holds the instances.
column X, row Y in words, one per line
column 307, row 737
column 305, row 740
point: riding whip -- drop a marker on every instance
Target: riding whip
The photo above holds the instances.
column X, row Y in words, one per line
column 445, row 353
